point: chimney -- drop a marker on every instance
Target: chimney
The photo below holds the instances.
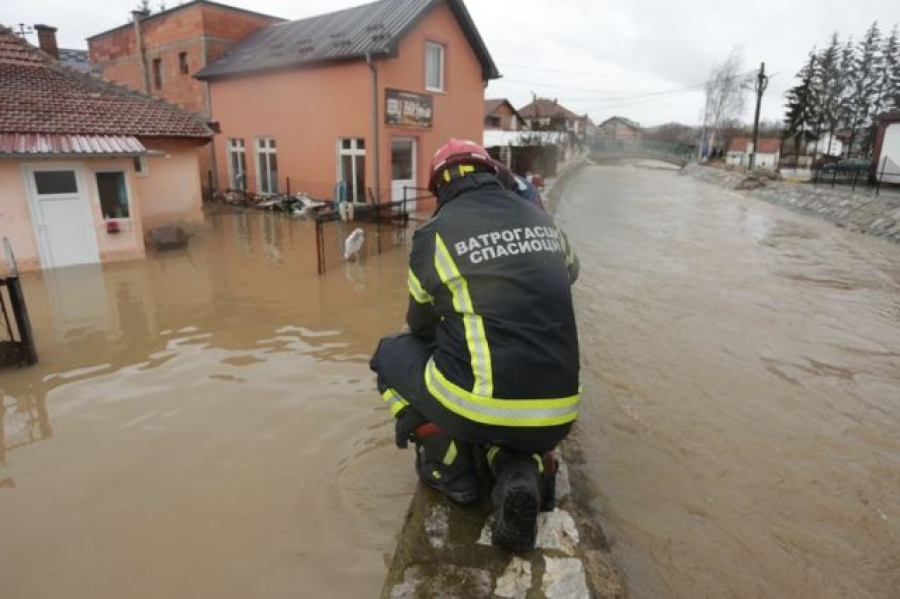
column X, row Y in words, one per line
column 47, row 40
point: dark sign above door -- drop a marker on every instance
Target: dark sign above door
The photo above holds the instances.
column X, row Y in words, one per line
column 407, row 109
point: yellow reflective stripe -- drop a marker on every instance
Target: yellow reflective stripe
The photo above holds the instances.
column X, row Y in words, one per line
column 502, row 412
column 491, row 454
column 476, row 339
column 540, row 462
column 450, row 456
column 394, row 401
column 416, row 290
column 570, row 253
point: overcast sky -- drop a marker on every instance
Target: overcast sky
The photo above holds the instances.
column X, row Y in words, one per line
column 643, row 59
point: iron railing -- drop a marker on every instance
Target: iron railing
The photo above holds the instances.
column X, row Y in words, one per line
column 16, row 338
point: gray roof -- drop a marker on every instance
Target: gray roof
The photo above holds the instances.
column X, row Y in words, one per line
column 375, row 28
column 77, row 59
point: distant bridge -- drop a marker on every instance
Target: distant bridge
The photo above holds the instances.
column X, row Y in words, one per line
column 676, row 154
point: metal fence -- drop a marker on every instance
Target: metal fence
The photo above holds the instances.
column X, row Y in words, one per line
column 16, row 338
column 858, row 174
column 353, row 232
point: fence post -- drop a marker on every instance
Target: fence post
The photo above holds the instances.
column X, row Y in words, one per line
column 319, row 258
column 881, row 177
column 855, row 176
column 834, row 177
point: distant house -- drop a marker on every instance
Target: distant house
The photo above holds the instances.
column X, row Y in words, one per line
column 826, row 145
column 767, row 157
column 499, row 114
column 349, row 102
column 545, row 114
column 886, row 156
column 86, row 167
column 620, row 130
column 158, row 53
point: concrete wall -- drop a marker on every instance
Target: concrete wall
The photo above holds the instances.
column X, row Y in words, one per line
column 308, row 109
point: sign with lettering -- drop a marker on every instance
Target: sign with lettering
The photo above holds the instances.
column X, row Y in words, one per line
column 407, row 109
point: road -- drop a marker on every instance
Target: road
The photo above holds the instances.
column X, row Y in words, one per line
column 741, row 366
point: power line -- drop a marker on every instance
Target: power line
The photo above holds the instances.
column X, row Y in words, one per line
column 595, row 74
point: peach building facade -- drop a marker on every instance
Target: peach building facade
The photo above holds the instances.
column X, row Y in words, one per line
column 315, row 120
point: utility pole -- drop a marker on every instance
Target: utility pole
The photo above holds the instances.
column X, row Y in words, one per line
column 762, row 82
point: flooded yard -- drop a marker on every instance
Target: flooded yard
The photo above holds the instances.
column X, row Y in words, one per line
column 204, row 424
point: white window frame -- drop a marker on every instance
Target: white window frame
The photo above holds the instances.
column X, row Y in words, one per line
column 129, row 198
column 265, row 147
column 236, row 145
column 443, row 66
column 353, row 151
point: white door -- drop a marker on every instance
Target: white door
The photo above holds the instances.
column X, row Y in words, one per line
column 62, row 216
column 403, row 170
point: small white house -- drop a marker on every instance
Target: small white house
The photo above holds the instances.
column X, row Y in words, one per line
column 741, row 148
column 887, row 148
column 826, row 145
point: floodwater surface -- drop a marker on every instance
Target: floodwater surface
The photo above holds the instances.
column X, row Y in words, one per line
column 741, row 366
column 203, row 423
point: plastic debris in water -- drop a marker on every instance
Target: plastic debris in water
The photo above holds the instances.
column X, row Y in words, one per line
column 354, row 243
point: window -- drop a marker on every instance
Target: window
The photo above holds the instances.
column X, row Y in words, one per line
column 140, row 166
column 183, row 63
column 157, row 72
column 352, row 168
column 266, row 165
column 434, row 67
column 52, row 182
column 237, row 164
column 113, row 194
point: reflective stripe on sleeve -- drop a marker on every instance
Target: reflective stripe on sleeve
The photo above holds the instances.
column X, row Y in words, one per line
column 451, row 454
column 501, row 412
column 416, row 290
column 394, row 401
column 476, row 339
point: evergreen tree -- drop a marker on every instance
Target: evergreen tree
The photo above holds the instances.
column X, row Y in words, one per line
column 828, row 87
column 889, row 80
column 801, row 105
column 862, row 75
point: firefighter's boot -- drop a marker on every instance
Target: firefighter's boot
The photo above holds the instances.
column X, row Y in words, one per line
column 516, row 498
column 445, row 464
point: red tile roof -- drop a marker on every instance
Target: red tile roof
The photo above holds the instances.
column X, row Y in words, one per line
column 545, row 107
column 767, row 145
column 38, row 95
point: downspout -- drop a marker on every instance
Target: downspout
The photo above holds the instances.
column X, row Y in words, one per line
column 375, row 128
column 214, row 167
column 137, row 15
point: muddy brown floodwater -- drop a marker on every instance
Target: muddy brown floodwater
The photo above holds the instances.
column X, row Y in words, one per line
column 742, row 376
column 204, row 424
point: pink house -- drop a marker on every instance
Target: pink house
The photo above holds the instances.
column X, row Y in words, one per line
column 353, row 102
column 87, row 167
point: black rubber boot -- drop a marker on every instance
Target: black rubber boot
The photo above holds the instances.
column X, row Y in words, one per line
column 548, row 481
column 447, row 465
column 517, row 500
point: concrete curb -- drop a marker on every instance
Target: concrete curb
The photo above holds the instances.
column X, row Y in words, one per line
column 554, row 192
column 444, row 549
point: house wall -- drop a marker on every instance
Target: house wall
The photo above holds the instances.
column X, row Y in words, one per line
column 307, row 110
column 508, row 119
column 170, row 191
column 16, row 216
column 202, row 31
column 888, row 147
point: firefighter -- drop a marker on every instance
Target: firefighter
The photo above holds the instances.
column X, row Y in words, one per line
column 490, row 362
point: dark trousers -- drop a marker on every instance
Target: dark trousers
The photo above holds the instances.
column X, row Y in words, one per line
column 400, row 362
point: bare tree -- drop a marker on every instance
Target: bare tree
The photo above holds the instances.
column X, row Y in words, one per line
column 725, row 92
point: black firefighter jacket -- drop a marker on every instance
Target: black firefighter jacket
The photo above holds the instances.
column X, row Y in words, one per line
column 490, row 283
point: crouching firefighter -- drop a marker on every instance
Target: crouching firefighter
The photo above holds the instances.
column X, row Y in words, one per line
column 489, row 366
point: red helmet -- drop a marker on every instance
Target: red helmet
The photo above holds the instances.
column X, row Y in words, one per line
column 457, row 151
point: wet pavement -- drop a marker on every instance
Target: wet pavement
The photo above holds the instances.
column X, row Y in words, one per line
column 204, row 424
column 741, row 366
